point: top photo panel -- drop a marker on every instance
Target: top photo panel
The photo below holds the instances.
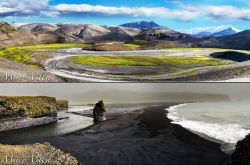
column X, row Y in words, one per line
column 60, row 41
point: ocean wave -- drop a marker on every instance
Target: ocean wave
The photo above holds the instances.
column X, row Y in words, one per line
column 229, row 133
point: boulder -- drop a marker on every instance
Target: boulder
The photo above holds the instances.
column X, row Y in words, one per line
column 99, row 112
column 62, row 104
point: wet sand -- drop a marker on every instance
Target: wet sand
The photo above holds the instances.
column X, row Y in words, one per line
column 141, row 137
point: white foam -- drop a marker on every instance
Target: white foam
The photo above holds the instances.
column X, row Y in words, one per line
column 229, row 133
column 173, row 114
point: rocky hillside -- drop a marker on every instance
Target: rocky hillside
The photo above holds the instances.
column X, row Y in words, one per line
column 34, row 154
column 163, row 34
column 36, row 33
column 121, row 33
column 36, row 27
column 18, row 72
column 5, row 27
column 79, row 33
column 27, row 107
column 14, row 38
column 239, row 40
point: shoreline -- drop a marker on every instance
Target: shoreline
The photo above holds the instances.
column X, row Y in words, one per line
column 202, row 135
column 226, row 146
column 25, row 122
column 130, row 138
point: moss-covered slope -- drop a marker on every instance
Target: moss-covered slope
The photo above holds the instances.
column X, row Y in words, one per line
column 25, row 106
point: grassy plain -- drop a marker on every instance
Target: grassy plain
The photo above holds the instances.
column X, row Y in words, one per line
column 24, row 54
column 146, row 60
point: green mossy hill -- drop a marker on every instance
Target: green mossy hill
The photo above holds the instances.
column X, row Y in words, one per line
column 62, row 104
column 145, row 60
column 24, row 53
column 241, row 155
column 5, row 27
column 27, row 106
column 36, row 154
column 112, row 47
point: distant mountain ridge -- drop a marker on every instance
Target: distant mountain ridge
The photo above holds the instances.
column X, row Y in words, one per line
column 155, row 38
column 141, row 25
column 214, row 31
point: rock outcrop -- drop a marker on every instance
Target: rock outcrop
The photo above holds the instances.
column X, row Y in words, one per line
column 34, row 154
column 241, row 155
column 27, row 106
column 23, row 112
column 99, row 112
column 62, row 104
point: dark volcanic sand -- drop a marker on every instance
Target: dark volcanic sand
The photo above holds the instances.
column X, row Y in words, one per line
column 142, row 137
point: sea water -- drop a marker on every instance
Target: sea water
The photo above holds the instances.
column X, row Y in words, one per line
column 227, row 122
column 71, row 123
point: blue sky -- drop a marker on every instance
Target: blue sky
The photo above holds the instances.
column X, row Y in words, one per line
column 175, row 14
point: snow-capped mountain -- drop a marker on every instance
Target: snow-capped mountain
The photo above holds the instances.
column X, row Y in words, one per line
column 215, row 31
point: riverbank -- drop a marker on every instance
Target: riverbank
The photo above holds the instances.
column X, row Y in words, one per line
column 143, row 136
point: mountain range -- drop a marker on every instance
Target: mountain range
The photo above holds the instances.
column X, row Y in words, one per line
column 141, row 25
column 156, row 36
column 214, row 31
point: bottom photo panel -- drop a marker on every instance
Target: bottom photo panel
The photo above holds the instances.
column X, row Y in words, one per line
column 125, row 124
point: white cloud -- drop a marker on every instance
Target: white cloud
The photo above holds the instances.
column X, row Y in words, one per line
column 182, row 11
column 133, row 11
column 228, row 12
column 25, row 8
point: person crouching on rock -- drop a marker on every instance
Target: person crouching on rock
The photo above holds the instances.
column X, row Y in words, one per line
column 99, row 112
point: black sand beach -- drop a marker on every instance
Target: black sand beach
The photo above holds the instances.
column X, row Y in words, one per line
column 141, row 137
